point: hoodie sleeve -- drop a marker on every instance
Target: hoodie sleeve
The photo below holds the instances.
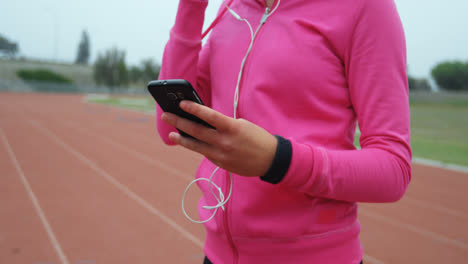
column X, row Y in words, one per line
column 375, row 65
column 184, row 57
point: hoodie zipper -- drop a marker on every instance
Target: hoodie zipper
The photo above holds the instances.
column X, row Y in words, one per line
column 226, row 217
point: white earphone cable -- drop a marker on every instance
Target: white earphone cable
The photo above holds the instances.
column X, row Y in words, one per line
column 220, row 197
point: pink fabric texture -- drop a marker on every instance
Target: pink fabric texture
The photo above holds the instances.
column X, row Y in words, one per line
column 315, row 70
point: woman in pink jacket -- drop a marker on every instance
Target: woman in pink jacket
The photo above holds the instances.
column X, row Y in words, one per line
column 285, row 83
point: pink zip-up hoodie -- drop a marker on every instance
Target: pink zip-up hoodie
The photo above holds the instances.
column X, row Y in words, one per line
column 316, row 68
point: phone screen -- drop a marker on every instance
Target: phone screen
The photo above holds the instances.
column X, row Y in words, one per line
column 169, row 93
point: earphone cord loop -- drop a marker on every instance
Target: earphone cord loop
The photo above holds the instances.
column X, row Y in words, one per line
column 221, row 200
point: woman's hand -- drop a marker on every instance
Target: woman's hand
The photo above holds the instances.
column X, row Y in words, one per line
column 236, row 145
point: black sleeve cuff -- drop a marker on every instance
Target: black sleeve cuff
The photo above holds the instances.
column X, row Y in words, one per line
column 280, row 164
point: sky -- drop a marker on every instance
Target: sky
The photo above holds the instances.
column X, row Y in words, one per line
column 51, row 29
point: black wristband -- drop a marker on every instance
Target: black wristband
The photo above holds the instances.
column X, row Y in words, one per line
column 280, row 165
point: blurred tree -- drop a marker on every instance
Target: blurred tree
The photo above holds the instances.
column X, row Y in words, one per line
column 418, row 84
column 7, row 47
column 110, row 69
column 83, row 54
column 150, row 70
column 135, row 74
column 147, row 70
column 451, row 75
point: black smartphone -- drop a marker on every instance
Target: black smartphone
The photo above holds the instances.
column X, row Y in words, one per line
column 169, row 93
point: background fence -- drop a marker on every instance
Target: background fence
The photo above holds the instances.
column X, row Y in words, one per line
column 36, row 86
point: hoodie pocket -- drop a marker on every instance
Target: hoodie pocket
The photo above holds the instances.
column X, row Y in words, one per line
column 262, row 210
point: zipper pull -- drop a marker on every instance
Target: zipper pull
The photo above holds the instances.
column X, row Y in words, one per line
column 265, row 16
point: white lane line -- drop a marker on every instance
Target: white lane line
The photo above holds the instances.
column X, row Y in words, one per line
column 63, row 258
column 440, row 165
column 416, row 160
column 137, row 154
column 119, row 185
column 432, row 163
column 367, row 258
column 153, row 139
column 372, row 260
column 414, row 229
column 115, row 107
column 435, row 207
column 147, row 159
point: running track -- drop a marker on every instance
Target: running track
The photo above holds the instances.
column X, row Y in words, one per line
column 88, row 184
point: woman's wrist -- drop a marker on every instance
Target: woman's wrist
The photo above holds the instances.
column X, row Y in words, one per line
column 281, row 162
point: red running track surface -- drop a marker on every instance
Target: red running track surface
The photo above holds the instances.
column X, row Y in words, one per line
column 86, row 184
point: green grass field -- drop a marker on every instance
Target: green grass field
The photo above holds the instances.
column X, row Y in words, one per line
column 440, row 132
column 439, row 125
column 139, row 104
